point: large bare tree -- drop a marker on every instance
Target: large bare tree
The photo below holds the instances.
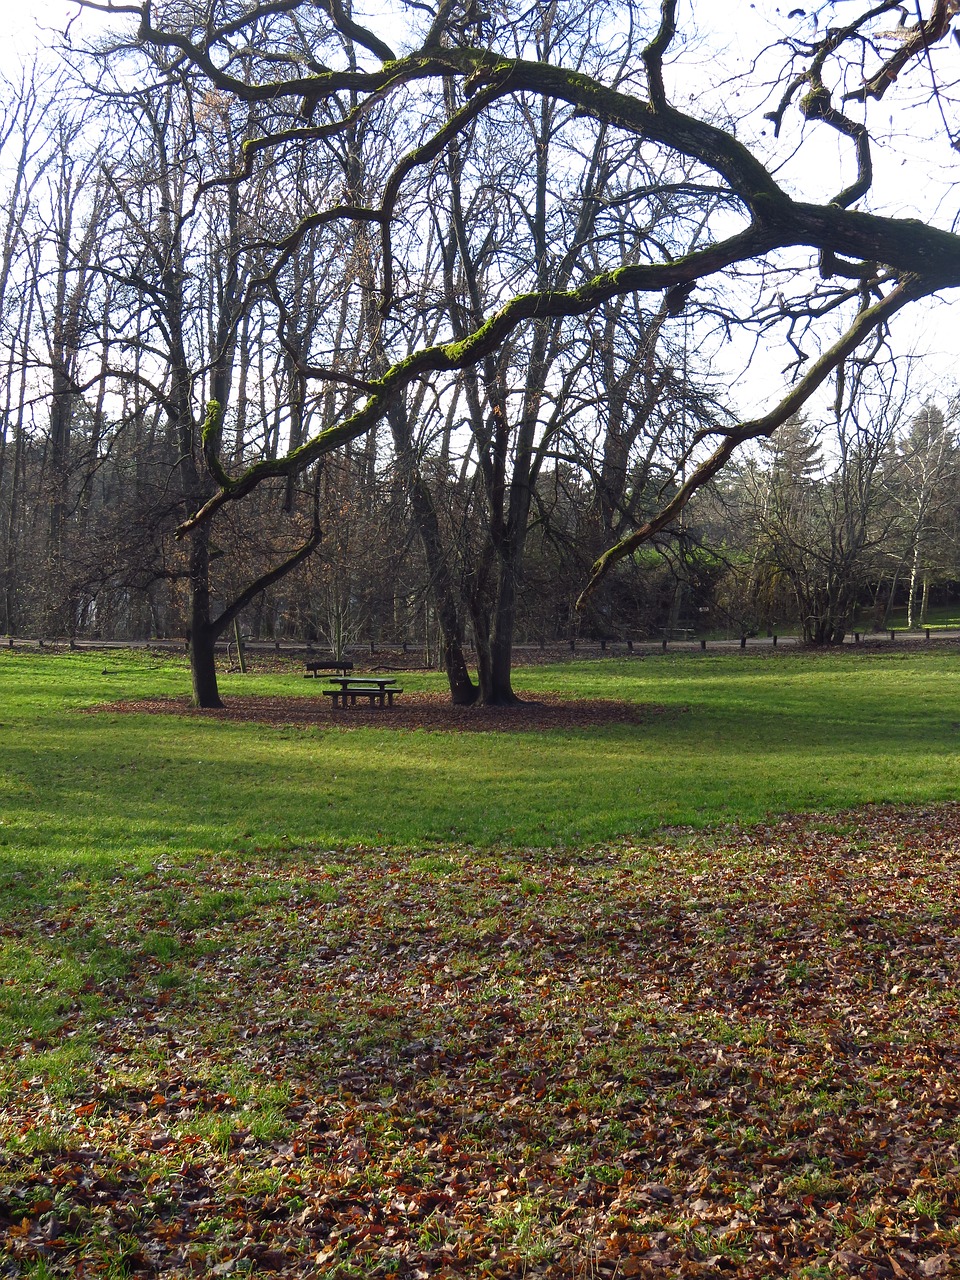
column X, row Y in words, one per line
column 826, row 274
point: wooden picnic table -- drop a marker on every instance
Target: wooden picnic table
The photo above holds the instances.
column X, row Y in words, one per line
column 377, row 690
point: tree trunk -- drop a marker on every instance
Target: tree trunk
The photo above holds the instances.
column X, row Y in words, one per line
column 463, row 692
column 912, row 596
column 494, row 625
column 496, row 689
column 883, row 624
column 481, row 636
column 203, row 668
column 673, row 619
column 202, row 636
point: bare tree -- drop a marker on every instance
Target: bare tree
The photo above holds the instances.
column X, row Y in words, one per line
column 565, row 196
column 819, row 504
column 291, row 56
column 25, row 153
column 180, row 258
column 924, row 487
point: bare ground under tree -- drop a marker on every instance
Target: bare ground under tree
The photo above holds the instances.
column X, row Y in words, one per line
column 430, row 711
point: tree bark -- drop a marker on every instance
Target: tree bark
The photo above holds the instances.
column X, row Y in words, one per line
column 202, row 636
column 499, row 692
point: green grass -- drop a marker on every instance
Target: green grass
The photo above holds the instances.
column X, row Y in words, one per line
column 940, row 615
column 743, row 737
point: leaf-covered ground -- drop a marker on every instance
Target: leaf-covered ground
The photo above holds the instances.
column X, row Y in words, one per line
column 730, row 1055
column 433, row 712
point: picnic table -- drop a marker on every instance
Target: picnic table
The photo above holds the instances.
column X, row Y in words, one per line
column 377, row 690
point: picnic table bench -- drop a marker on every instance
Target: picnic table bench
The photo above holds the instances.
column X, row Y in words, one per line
column 314, row 668
column 377, row 690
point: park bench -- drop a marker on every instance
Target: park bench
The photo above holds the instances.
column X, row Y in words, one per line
column 314, row 668
column 378, row 691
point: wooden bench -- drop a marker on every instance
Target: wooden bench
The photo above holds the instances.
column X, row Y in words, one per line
column 378, row 693
column 314, row 668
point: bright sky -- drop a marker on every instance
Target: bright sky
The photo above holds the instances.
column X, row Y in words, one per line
column 25, row 24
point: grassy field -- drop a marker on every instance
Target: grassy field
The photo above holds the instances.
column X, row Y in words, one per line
column 741, row 738
column 379, row 1003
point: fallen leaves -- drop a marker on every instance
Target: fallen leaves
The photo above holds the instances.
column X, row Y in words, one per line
column 730, row 1055
column 431, row 711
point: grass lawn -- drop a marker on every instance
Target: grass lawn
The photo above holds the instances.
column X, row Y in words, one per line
column 373, row 1003
column 741, row 738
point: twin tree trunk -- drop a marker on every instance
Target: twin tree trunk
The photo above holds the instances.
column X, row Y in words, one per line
column 493, row 627
column 496, row 689
column 463, row 691
column 494, row 643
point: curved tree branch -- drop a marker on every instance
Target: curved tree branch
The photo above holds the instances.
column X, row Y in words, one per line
column 868, row 248
column 447, row 357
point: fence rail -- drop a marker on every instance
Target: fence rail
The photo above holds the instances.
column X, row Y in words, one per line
column 555, row 650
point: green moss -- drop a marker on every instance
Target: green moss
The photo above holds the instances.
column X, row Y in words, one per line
column 210, row 431
column 210, row 436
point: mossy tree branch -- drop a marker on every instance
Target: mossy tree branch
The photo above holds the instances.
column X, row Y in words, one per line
column 451, row 356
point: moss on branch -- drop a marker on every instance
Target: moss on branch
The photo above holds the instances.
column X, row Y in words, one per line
column 211, row 432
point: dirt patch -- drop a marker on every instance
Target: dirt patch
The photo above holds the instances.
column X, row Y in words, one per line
column 430, row 711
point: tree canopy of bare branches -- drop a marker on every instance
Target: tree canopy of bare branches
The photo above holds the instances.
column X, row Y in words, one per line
column 439, row 204
column 321, row 70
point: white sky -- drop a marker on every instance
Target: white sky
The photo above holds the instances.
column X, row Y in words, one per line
column 27, row 24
